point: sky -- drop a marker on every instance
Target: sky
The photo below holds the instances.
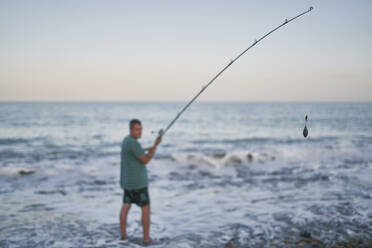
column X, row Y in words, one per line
column 87, row 50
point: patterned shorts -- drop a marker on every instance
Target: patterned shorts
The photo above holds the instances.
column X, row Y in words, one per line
column 139, row 197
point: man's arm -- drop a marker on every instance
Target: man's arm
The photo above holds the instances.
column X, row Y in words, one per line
column 151, row 152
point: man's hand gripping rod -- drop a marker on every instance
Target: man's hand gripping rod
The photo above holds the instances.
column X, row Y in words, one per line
column 162, row 132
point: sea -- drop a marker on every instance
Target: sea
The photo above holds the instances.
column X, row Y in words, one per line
column 227, row 174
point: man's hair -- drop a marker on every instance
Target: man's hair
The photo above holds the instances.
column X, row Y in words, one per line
column 134, row 122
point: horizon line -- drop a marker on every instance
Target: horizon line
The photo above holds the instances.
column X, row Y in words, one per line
column 178, row 101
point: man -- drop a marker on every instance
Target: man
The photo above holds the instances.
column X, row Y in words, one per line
column 133, row 178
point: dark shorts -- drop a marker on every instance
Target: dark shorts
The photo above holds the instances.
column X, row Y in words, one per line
column 139, row 197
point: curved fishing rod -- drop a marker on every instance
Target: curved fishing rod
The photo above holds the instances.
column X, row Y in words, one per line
column 163, row 132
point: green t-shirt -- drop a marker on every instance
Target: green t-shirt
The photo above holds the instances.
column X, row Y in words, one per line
column 133, row 173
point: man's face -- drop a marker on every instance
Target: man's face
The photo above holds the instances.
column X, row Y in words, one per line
column 136, row 131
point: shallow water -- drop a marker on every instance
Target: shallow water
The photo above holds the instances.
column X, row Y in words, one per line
column 226, row 175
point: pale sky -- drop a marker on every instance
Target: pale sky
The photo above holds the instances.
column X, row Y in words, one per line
column 167, row 50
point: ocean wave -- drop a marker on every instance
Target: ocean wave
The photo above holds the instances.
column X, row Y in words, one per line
column 219, row 160
column 255, row 140
column 17, row 141
column 37, row 155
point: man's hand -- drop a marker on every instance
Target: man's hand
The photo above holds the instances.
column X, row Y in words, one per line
column 157, row 141
column 151, row 151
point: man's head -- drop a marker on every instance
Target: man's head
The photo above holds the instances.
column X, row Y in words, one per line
column 135, row 128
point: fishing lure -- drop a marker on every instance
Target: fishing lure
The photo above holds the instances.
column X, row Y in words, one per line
column 305, row 131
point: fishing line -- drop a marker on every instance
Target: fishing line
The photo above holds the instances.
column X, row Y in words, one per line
column 162, row 132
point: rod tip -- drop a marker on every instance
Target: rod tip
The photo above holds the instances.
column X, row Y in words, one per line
column 311, row 8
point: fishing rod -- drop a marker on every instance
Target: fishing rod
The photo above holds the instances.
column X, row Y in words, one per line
column 162, row 132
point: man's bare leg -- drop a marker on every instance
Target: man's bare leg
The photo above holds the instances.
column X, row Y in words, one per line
column 123, row 220
column 146, row 223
